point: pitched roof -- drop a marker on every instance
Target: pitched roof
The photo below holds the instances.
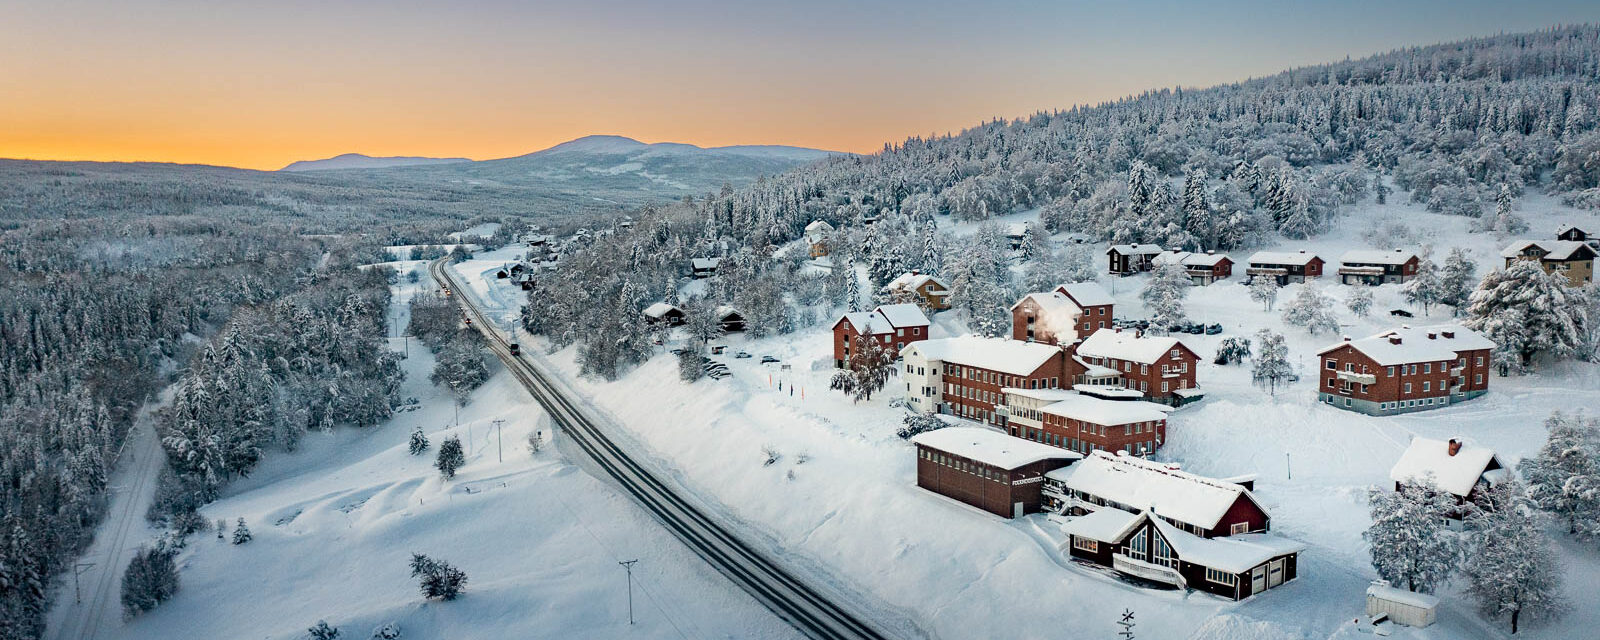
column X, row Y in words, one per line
column 722, row 312
column 1144, row 484
column 1053, row 304
column 995, row 354
column 1086, row 294
column 1127, row 345
column 659, row 309
column 1104, row 412
column 1233, row 554
column 915, row 280
column 1456, row 474
column 1569, row 227
column 1135, row 249
column 1103, row 525
column 1365, row 256
column 885, row 319
column 1416, row 345
column 991, row 447
column 706, row 263
column 1554, row 249
column 1300, row 258
column 819, row 225
column 1189, row 259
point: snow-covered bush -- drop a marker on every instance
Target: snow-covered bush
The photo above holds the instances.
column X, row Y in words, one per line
column 322, row 631
column 419, row 442
column 241, row 533
column 151, row 578
column 1232, row 350
column 1312, row 310
column 386, row 631
column 436, row 578
column 916, row 422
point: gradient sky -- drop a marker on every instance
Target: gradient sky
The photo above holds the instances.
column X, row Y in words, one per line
column 262, row 83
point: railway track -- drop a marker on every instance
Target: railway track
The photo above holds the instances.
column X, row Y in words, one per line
column 809, row 611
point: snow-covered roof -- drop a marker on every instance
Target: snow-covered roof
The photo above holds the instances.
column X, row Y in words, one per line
column 1554, row 249
column 901, row 316
column 1017, row 229
column 1367, row 256
column 659, row 309
column 1135, row 249
column 1104, row 412
column 1299, row 258
column 724, row 311
column 1415, row 345
column 1143, row 484
column 990, row 447
column 886, row 319
column 1046, row 395
column 1107, row 391
column 1087, row 294
column 1126, row 345
column 1187, row 259
column 995, row 354
column 1053, row 304
column 819, row 225
column 1456, row 474
column 1094, row 370
column 705, row 263
column 1233, row 554
column 1103, row 525
column 915, row 280
column 1401, row 596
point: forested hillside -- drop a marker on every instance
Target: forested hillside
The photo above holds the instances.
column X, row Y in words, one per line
column 1463, row 128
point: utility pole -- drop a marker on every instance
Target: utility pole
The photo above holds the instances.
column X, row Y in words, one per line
column 499, row 439
column 1286, row 468
column 628, row 564
column 77, row 570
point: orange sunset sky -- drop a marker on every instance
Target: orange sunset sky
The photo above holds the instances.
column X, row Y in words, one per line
column 262, row 84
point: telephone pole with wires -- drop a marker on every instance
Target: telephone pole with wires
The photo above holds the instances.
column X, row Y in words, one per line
column 628, row 564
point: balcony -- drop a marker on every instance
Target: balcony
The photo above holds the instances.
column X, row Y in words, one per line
column 1457, row 370
column 1358, row 378
column 1146, row 570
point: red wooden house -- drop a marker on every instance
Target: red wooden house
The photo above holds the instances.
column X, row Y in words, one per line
column 893, row 325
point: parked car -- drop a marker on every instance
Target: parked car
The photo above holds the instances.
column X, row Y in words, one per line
column 516, row 349
column 1195, row 329
column 1400, row 312
column 1213, row 329
column 742, row 354
column 768, row 359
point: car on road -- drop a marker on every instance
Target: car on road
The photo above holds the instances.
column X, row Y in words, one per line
column 516, row 349
column 742, row 354
column 768, row 359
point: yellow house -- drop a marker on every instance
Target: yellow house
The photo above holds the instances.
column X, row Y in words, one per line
column 1570, row 258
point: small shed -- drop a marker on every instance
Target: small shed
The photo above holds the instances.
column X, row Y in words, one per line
column 730, row 319
column 1401, row 606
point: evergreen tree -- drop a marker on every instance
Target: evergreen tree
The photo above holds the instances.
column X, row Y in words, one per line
column 1564, row 478
column 151, row 578
column 241, row 533
column 691, row 365
column 1163, row 295
column 1232, row 349
column 1359, row 302
column 451, row 457
column 1410, row 546
column 1312, row 310
column 322, row 631
column 1527, row 312
column 436, row 578
column 852, row 287
column 1457, row 280
column 1513, row 569
column 419, row 441
column 868, row 370
column 1197, row 215
column 1272, row 366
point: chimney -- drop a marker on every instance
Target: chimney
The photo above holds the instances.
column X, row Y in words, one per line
column 1455, row 446
column 1433, row 336
column 1449, row 335
column 1347, row 338
column 1302, row 251
column 1211, row 252
column 1394, row 339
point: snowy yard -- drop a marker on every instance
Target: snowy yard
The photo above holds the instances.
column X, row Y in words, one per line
column 840, row 496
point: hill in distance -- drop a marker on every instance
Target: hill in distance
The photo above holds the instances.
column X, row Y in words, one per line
column 360, row 161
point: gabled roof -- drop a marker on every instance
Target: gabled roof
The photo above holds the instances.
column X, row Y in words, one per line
column 1086, row 294
column 915, row 280
column 1554, row 249
column 1456, row 474
column 1297, row 258
column 1052, row 304
column 1006, row 356
column 1415, row 345
column 1364, row 256
column 1102, row 525
column 1143, row 484
column 705, row 263
column 1135, row 249
column 1126, row 345
column 885, row 319
column 1232, row 554
column 660, row 309
column 991, row 447
column 724, row 311
column 819, row 225
column 1187, row 259
column 1104, row 412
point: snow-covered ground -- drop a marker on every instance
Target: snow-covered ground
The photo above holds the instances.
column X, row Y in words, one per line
column 335, row 523
column 841, row 501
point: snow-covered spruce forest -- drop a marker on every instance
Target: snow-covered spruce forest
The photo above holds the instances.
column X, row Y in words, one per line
column 119, row 280
column 1463, row 128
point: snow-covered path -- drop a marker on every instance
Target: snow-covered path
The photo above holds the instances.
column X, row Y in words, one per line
column 133, row 486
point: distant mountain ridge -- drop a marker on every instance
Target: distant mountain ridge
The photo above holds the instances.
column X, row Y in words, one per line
column 362, row 161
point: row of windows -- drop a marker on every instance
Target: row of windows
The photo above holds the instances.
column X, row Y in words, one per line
column 1405, row 369
column 963, row 466
column 1221, row 577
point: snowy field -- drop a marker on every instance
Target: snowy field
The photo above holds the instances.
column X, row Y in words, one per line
column 841, row 499
column 335, row 523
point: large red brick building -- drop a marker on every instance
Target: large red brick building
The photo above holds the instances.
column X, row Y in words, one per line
column 1404, row 370
column 1062, row 316
column 893, row 325
column 986, row 469
column 1085, row 424
column 966, row 376
column 1161, row 368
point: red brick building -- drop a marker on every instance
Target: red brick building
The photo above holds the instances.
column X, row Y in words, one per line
column 1085, row 424
column 986, row 469
column 966, row 376
column 893, row 325
column 1162, row 368
column 1062, row 316
column 1404, row 370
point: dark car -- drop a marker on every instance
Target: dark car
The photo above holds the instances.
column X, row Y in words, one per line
column 1213, row 329
column 1195, row 329
column 1400, row 312
column 516, row 349
column 768, row 359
